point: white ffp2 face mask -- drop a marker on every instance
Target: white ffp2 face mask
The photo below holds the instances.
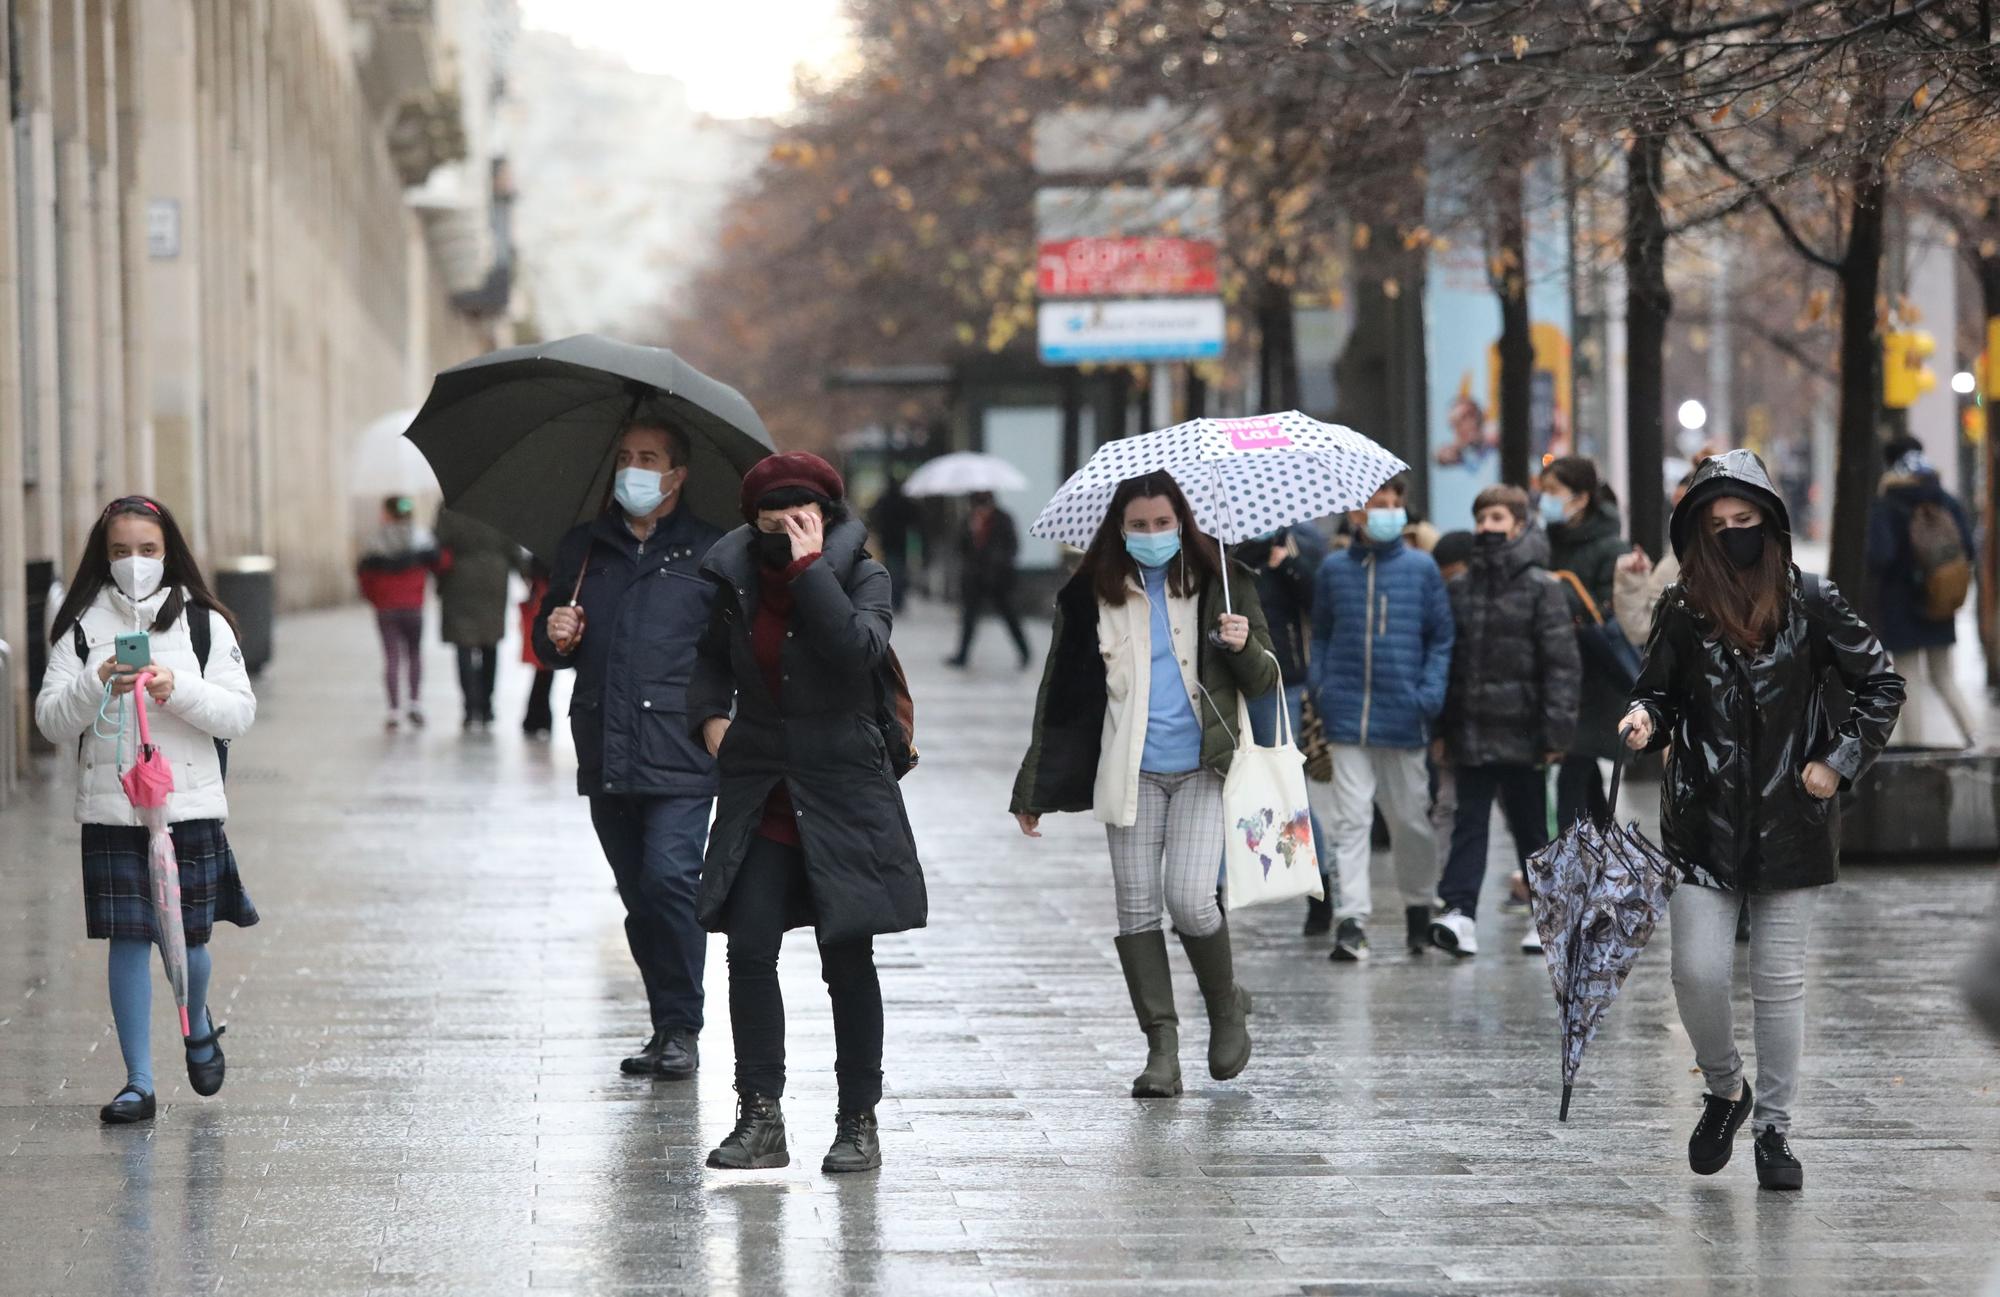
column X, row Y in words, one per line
column 138, row 576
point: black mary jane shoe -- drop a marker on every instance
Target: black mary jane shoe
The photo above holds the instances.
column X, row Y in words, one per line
column 130, row 1106
column 206, row 1077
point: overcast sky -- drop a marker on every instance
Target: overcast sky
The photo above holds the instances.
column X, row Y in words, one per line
column 736, row 57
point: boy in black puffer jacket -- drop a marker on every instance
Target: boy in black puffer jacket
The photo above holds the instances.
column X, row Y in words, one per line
column 1511, row 709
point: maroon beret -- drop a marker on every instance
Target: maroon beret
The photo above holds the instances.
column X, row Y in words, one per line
column 795, row 469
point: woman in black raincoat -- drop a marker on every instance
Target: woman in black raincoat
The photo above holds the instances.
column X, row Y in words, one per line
column 1735, row 680
column 810, row 826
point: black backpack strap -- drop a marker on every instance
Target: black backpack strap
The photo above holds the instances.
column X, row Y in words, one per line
column 202, row 633
column 79, row 640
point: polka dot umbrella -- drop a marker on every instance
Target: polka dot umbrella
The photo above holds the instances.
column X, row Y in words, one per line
column 1243, row 477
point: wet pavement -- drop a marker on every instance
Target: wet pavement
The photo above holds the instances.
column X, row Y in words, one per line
column 424, row 1095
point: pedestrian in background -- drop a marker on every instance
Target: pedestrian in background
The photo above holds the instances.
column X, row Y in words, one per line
column 1511, row 711
column 1380, row 663
column 472, row 599
column 641, row 605
column 1286, row 563
column 1733, row 682
column 892, row 518
column 1919, row 554
column 395, row 572
column 1639, row 581
column 810, row 827
column 989, row 548
column 138, row 574
column 1136, row 722
column 540, row 721
column 1586, row 538
column 1453, row 555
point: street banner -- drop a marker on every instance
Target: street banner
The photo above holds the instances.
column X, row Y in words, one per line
column 1130, row 330
column 1129, row 267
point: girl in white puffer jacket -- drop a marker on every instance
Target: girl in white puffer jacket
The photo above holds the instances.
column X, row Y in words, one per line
column 137, row 574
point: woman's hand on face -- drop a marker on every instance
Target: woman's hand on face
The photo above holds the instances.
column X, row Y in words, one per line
column 1637, row 728
column 713, row 731
column 1821, row 780
column 1031, row 825
column 808, row 532
column 1233, row 630
column 161, row 686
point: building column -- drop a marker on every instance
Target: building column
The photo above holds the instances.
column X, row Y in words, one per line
column 170, row 319
column 13, row 490
column 76, row 234
column 41, row 406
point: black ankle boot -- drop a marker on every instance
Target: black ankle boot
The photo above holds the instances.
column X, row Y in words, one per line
column 1417, row 925
column 1715, row 1134
column 758, row 1142
column 1777, row 1167
column 1319, row 916
column 857, row 1144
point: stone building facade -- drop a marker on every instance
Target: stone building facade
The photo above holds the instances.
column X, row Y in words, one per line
column 212, row 274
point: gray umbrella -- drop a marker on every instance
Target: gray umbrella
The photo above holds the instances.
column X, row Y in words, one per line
column 523, row 438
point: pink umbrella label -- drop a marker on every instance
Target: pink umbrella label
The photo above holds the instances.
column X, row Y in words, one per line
column 1263, row 432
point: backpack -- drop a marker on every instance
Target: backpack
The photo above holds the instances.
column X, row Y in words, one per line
column 896, row 714
column 1601, row 641
column 1941, row 560
column 203, row 636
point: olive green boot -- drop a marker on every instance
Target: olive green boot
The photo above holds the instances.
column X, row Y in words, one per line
column 1228, row 1003
column 1149, row 978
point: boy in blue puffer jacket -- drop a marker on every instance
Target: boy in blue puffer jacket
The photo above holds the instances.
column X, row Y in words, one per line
column 1380, row 664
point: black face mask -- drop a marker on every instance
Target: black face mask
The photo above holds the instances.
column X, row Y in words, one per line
column 773, row 549
column 1490, row 539
column 1743, row 546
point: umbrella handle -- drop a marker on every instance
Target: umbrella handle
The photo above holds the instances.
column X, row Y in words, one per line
column 1564, row 1114
column 139, row 707
column 1617, row 774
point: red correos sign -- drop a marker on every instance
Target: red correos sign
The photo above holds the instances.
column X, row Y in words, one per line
column 1136, row 267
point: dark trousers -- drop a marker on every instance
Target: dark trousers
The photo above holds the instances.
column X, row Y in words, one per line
column 654, row 845
column 897, row 560
column 402, row 632
column 1579, row 788
column 541, row 717
column 770, row 886
column 478, row 664
column 1523, row 794
column 977, row 599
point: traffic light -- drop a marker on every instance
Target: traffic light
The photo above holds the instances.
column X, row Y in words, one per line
column 1905, row 376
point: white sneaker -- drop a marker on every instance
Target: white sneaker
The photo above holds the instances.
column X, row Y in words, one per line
column 1454, row 932
column 1532, row 943
column 394, row 720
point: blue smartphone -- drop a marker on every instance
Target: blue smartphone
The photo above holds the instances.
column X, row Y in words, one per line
column 135, row 650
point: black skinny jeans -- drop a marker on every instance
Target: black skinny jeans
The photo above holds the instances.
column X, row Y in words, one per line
column 770, row 885
column 1523, row 795
column 478, row 664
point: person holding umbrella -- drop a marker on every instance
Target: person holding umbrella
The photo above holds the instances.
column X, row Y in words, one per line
column 625, row 607
column 138, row 583
column 810, row 827
column 1733, row 682
column 1137, row 721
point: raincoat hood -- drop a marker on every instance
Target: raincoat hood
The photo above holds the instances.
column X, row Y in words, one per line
column 1735, row 472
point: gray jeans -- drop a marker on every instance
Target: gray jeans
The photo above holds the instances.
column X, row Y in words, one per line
column 1704, row 957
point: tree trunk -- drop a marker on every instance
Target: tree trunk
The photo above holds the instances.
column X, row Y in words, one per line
column 1857, row 464
column 1278, row 351
column 1509, row 277
column 1648, row 304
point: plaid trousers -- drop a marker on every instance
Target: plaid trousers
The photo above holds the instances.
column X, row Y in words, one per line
column 1171, row 857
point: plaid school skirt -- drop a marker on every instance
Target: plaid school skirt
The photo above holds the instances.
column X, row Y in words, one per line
column 118, row 892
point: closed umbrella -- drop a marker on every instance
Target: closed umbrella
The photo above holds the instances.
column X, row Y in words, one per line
column 1243, row 477
column 1599, row 891
column 148, row 784
column 965, row 472
column 523, row 438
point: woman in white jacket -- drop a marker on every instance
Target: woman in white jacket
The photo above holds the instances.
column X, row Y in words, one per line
column 137, row 574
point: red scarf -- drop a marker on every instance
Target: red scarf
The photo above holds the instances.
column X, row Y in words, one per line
column 767, row 644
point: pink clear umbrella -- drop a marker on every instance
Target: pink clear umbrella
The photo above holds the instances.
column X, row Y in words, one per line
column 147, row 785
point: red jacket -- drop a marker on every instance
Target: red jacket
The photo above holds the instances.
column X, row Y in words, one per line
column 397, row 566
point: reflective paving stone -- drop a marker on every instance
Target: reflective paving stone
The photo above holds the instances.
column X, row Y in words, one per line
column 424, row 1095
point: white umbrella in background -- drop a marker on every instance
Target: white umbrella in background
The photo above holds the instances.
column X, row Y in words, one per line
column 383, row 463
column 964, row 473
column 1243, row 477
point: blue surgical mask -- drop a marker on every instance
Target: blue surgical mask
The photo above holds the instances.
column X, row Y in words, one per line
column 1555, row 510
column 1385, row 525
column 1152, row 548
column 638, row 491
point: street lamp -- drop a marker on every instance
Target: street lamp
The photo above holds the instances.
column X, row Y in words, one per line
column 1963, row 382
column 1693, row 415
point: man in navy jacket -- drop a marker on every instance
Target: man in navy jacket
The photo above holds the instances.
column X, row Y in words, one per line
column 643, row 606
column 1379, row 667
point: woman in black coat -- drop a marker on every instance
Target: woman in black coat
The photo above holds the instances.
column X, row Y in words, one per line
column 810, row 826
column 1586, row 538
column 1735, row 680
